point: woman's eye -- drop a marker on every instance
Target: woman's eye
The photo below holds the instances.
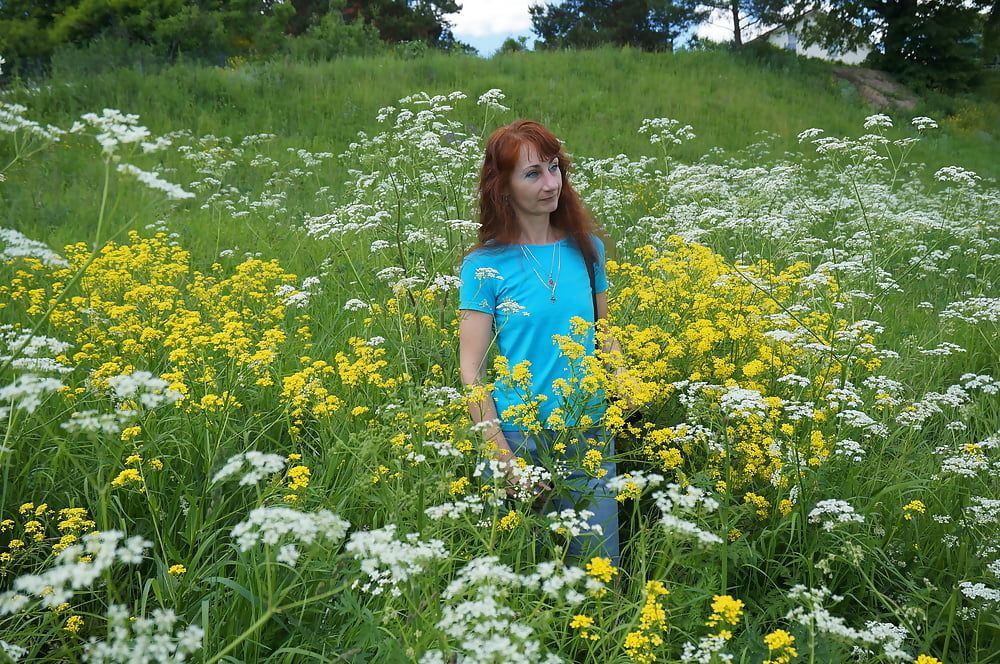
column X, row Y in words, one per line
column 554, row 167
column 531, row 174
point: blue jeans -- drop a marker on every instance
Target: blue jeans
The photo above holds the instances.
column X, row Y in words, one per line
column 585, row 491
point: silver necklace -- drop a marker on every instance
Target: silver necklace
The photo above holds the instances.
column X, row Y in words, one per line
column 553, row 280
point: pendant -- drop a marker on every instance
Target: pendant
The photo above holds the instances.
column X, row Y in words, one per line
column 552, row 299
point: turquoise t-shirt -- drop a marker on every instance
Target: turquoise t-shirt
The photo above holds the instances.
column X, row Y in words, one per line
column 507, row 284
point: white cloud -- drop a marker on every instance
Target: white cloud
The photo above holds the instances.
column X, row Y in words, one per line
column 481, row 18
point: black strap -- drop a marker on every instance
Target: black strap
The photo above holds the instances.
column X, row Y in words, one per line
column 593, row 286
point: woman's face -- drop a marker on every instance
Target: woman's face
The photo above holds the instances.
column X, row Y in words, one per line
column 535, row 184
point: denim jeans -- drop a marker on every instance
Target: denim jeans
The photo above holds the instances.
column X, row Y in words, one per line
column 586, row 491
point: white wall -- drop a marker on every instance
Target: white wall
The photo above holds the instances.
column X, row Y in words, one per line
column 781, row 38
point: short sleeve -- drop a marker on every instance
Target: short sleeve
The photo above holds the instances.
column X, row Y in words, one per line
column 600, row 270
column 479, row 285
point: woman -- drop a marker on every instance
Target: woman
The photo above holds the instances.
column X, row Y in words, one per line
column 521, row 284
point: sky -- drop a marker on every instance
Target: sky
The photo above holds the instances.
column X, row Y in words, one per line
column 485, row 24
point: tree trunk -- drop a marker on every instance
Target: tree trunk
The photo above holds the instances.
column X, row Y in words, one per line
column 734, row 6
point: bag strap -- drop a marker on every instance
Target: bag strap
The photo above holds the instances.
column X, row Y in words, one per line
column 593, row 287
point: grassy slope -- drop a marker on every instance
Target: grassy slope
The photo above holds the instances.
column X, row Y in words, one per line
column 594, row 100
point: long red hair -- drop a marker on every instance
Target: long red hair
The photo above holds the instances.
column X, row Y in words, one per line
column 496, row 214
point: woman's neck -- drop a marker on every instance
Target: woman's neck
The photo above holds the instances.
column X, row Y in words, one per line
column 538, row 232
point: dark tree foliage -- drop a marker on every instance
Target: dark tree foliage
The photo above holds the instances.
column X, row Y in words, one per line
column 746, row 14
column 935, row 44
column 650, row 25
column 31, row 29
column 407, row 20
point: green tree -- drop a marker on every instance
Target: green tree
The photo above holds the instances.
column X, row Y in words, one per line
column 746, row 14
column 650, row 25
column 400, row 21
column 930, row 43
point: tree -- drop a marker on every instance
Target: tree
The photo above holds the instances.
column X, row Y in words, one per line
column 934, row 43
column 746, row 14
column 407, row 20
column 650, row 25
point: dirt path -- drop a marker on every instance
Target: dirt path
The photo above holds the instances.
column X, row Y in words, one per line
column 878, row 88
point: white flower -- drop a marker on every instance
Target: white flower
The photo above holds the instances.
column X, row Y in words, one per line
column 17, row 245
column 833, row 511
column 154, row 181
column 271, row 525
column 355, row 305
column 28, row 390
column 389, row 562
column 491, row 99
column 511, row 307
column 261, row 464
column 143, row 640
column 878, row 120
column 151, row 391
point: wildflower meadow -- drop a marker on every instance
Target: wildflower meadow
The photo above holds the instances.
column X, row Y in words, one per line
column 233, row 429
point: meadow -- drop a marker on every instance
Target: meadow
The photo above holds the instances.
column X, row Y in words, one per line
column 233, row 424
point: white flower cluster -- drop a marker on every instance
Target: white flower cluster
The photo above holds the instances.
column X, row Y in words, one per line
column 114, row 129
column 572, row 523
column 957, row 175
column 849, row 449
column 742, row 403
column 674, row 501
column 18, row 245
column 13, row 120
column 260, row 465
column 980, row 591
column 455, row 510
column 983, row 511
column 389, row 562
column 76, row 567
column 863, row 421
column 92, row 421
column 510, row 307
column 833, row 511
column 355, row 305
column 271, row 525
column 150, row 391
column 638, row 479
column 491, row 99
column 973, row 310
column 154, row 181
column 28, row 391
column 708, row 650
column 484, row 627
column 158, row 639
column 29, row 352
column 15, row 652
column 666, row 131
column 818, row 619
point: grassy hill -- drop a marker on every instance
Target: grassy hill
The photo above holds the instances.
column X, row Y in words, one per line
column 726, row 97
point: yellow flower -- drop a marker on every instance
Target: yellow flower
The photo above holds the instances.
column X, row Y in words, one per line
column 156, row 464
column 780, row 647
column 73, row 624
column 177, row 570
column 584, row 623
column 601, row 569
column 911, row 507
column 459, row 487
column 927, row 659
column 27, row 507
column 510, row 521
column 128, row 476
column 15, row 544
column 298, row 477
column 725, row 609
column 133, row 460
column 129, row 433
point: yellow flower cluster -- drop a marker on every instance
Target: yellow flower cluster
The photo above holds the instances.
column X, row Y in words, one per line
column 685, row 313
column 726, row 610
column 69, row 523
column 912, row 507
column 141, row 304
column 641, row 644
column 780, row 649
column 601, row 569
column 585, row 624
column 510, row 521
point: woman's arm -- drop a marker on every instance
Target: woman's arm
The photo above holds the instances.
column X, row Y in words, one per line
column 475, row 333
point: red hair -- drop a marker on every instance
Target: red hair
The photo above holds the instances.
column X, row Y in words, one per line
column 499, row 223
